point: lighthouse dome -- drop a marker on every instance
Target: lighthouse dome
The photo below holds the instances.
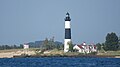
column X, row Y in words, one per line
column 67, row 17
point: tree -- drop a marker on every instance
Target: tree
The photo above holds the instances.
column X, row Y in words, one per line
column 98, row 46
column 111, row 42
column 49, row 44
column 70, row 46
column 21, row 46
column 14, row 46
column 61, row 47
column 45, row 44
column 119, row 43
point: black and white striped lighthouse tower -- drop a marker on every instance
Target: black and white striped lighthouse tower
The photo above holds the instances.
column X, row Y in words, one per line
column 67, row 32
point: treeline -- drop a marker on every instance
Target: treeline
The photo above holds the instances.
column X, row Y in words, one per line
column 4, row 47
column 50, row 44
column 112, row 43
column 47, row 44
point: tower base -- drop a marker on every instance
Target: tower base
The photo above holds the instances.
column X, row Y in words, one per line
column 66, row 45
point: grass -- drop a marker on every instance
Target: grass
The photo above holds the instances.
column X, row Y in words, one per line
column 61, row 52
column 110, row 53
column 9, row 50
column 15, row 50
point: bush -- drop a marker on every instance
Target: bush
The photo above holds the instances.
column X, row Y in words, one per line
column 92, row 53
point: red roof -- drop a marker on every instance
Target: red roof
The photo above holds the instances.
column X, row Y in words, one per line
column 80, row 46
column 94, row 46
column 87, row 46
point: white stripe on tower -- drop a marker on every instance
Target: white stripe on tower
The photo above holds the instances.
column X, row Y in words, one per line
column 67, row 24
column 67, row 33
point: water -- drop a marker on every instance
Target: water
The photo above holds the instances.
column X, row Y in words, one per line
column 60, row 62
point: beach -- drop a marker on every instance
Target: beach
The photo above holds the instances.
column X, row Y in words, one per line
column 51, row 53
column 15, row 52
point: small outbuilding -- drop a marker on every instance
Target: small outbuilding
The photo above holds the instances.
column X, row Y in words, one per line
column 25, row 46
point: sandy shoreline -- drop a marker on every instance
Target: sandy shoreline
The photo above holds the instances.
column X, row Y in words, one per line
column 10, row 54
column 78, row 56
column 31, row 53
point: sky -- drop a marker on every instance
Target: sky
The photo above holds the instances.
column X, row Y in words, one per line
column 23, row 21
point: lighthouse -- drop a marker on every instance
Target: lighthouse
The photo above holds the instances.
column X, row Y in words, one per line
column 67, row 32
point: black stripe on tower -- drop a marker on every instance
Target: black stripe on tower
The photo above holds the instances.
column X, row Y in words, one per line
column 68, row 33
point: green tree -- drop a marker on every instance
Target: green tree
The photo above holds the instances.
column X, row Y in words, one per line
column 119, row 43
column 98, row 46
column 45, row 44
column 70, row 46
column 49, row 44
column 111, row 42
column 21, row 46
column 61, row 47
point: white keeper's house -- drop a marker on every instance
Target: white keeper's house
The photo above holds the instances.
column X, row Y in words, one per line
column 84, row 48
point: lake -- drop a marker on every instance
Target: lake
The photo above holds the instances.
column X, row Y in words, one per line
column 60, row 62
